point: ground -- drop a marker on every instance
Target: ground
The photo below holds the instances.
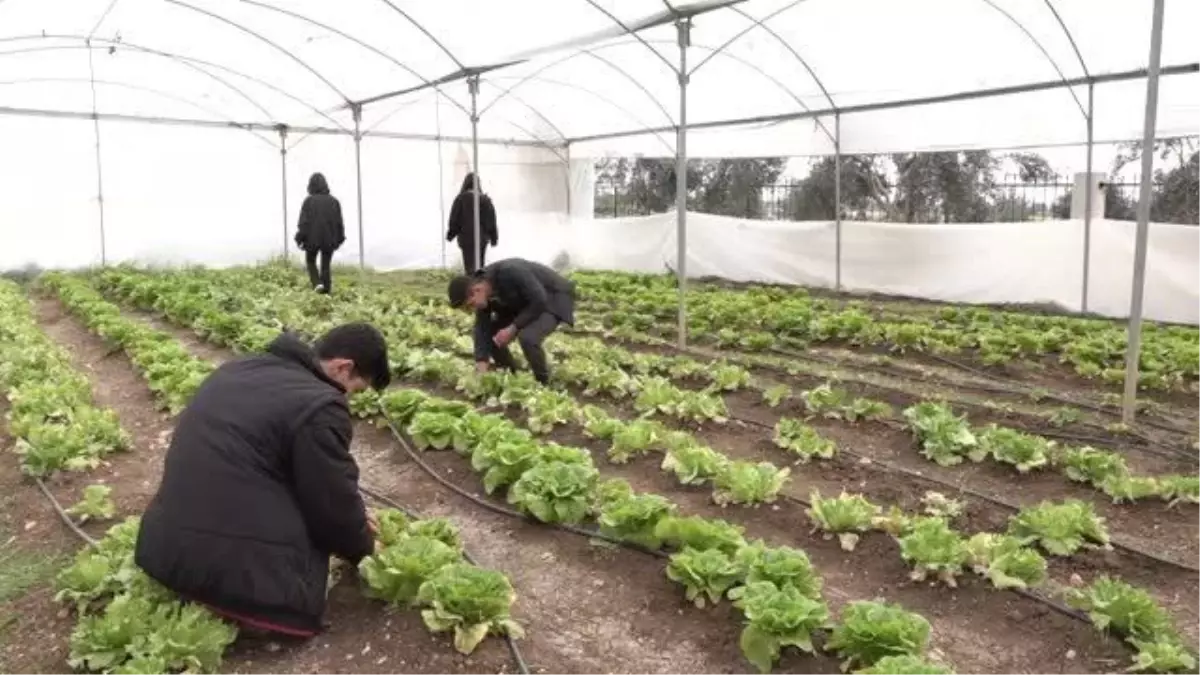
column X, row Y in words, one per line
column 589, row 607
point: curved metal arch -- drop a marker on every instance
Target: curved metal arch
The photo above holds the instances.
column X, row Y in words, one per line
column 621, row 71
column 142, row 88
column 190, row 59
column 792, row 50
column 618, row 107
column 736, row 36
column 1042, row 48
column 220, row 80
column 304, row 64
column 634, row 34
column 1070, row 37
column 535, row 111
column 369, row 47
column 774, row 80
column 638, row 84
column 427, row 34
column 107, row 11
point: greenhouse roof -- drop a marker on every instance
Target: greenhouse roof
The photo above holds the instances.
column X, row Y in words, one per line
column 764, row 76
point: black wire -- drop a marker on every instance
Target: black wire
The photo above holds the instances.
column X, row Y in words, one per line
column 515, row 651
column 887, row 466
column 66, row 518
column 496, row 508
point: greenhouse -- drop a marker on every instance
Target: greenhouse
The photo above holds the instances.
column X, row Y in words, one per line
column 1006, row 409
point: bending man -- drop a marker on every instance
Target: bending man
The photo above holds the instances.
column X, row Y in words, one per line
column 259, row 487
column 514, row 299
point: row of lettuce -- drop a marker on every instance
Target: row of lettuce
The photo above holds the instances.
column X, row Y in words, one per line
column 926, row 542
column 762, row 318
column 943, row 436
column 129, row 623
column 409, row 569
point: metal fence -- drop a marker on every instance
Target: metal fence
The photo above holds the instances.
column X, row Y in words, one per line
column 1009, row 199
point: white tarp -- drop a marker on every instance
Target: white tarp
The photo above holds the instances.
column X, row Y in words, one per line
column 981, row 263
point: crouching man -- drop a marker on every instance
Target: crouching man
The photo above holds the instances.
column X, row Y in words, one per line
column 259, row 487
column 514, row 299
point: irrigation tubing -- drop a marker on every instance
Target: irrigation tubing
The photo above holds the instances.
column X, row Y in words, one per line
column 378, row 496
column 888, row 466
column 62, row 513
column 496, row 508
column 1036, row 597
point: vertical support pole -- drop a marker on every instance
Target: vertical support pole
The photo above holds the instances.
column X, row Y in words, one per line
column 473, row 88
column 99, row 161
column 684, row 27
column 837, row 201
column 1087, row 202
column 437, row 117
column 1143, row 219
column 362, row 250
column 284, row 184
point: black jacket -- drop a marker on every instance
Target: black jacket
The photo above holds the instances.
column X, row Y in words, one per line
column 320, row 227
column 462, row 217
column 521, row 291
column 258, row 490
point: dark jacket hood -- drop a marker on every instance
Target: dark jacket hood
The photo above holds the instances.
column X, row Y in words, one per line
column 469, row 183
column 290, row 347
column 317, row 185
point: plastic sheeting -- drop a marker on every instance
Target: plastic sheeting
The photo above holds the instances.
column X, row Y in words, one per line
column 216, row 197
column 555, row 71
column 972, row 263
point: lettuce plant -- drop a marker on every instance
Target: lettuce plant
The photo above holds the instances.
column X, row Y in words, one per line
column 871, row 631
column 694, row 464
column 395, row 573
column 704, row 573
column 1060, row 529
column 933, row 549
column 845, row 516
column 777, row 618
column 748, row 483
column 470, row 601
column 554, row 492
column 635, row 518
column 802, row 440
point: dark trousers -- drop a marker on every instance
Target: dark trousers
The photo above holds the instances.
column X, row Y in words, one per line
column 530, row 338
column 468, row 259
column 322, row 277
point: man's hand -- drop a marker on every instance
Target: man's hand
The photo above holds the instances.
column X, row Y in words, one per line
column 373, row 524
column 482, row 367
column 505, row 336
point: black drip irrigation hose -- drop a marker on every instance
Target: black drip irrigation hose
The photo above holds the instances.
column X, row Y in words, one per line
column 496, row 508
column 912, row 473
column 378, row 496
column 62, row 513
column 1036, row 597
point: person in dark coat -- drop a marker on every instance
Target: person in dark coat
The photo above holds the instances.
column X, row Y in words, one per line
column 462, row 223
column 519, row 299
column 259, row 488
column 320, row 232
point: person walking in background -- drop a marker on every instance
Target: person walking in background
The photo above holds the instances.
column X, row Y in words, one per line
column 462, row 223
column 514, row 299
column 320, row 232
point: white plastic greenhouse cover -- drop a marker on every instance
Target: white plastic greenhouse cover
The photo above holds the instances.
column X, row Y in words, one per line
column 604, row 69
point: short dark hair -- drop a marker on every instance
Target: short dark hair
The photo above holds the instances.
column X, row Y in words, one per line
column 363, row 344
column 460, row 286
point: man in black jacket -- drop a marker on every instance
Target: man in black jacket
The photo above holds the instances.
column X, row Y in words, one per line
column 259, row 487
column 514, row 298
column 462, row 223
column 320, row 232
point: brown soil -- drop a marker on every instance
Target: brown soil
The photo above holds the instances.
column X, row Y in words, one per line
column 575, row 599
column 576, row 628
